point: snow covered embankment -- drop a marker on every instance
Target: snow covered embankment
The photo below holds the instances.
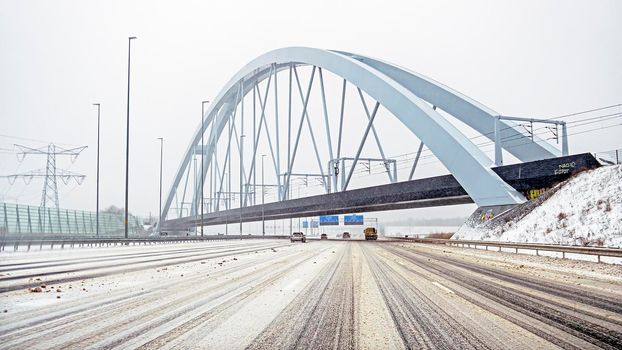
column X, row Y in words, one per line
column 586, row 210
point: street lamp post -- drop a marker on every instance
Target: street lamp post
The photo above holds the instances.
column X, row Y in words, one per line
column 226, row 200
column 127, row 138
column 97, row 191
column 161, row 157
column 241, row 177
column 263, row 192
column 195, row 186
column 202, row 154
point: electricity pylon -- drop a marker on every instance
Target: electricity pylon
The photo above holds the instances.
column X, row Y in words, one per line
column 50, row 173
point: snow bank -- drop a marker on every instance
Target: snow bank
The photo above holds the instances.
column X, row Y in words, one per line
column 587, row 209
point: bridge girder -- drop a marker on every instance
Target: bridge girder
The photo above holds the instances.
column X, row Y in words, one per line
column 406, row 95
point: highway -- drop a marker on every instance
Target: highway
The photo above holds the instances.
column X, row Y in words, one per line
column 272, row 294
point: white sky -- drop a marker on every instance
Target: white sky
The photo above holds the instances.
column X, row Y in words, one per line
column 523, row 58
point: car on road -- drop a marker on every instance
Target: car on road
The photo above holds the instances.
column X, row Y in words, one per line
column 298, row 236
column 323, row 236
column 345, row 235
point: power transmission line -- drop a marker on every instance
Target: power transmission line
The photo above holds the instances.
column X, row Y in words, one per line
column 35, row 140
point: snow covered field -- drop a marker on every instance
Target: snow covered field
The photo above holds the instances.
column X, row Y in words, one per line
column 585, row 210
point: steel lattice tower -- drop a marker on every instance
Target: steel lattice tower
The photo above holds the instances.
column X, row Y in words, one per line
column 49, row 195
column 50, row 188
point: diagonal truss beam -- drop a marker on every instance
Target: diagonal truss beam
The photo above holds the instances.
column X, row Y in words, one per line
column 327, row 124
column 275, row 158
column 370, row 123
column 300, row 125
column 227, row 161
column 306, row 117
column 373, row 129
column 412, row 170
column 263, row 114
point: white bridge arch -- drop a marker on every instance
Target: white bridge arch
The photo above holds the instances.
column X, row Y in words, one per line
column 410, row 97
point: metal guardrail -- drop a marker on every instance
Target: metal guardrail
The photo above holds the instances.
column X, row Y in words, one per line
column 537, row 247
column 64, row 241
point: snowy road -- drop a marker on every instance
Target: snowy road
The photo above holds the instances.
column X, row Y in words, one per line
column 323, row 294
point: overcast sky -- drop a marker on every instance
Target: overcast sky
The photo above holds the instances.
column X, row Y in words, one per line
column 525, row 58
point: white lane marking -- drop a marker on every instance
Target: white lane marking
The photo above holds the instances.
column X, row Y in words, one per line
column 443, row 287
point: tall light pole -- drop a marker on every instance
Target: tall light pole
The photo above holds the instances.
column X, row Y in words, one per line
column 202, row 154
column 161, row 157
column 97, row 195
column 127, row 137
column 226, row 200
column 241, row 176
column 263, row 192
column 195, row 184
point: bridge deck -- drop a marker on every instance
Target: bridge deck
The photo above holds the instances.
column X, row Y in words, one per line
column 427, row 192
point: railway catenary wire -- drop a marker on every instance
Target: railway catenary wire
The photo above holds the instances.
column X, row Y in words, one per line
column 590, row 120
column 586, row 121
column 546, row 118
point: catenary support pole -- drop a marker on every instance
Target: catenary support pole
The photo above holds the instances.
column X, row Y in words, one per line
column 202, row 161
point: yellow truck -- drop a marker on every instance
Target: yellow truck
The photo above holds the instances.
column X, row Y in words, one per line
column 371, row 234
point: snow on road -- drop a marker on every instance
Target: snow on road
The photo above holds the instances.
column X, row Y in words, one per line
column 268, row 294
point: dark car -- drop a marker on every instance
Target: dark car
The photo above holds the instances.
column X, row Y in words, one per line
column 345, row 235
column 323, row 236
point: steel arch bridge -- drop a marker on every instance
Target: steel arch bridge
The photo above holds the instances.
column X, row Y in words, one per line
column 413, row 99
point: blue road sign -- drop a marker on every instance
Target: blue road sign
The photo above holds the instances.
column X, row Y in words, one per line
column 327, row 220
column 353, row 220
column 311, row 224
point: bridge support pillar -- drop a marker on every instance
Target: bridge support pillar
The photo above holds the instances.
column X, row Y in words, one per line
column 484, row 219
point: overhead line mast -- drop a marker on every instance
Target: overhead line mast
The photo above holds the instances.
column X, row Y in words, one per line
column 50, row 173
